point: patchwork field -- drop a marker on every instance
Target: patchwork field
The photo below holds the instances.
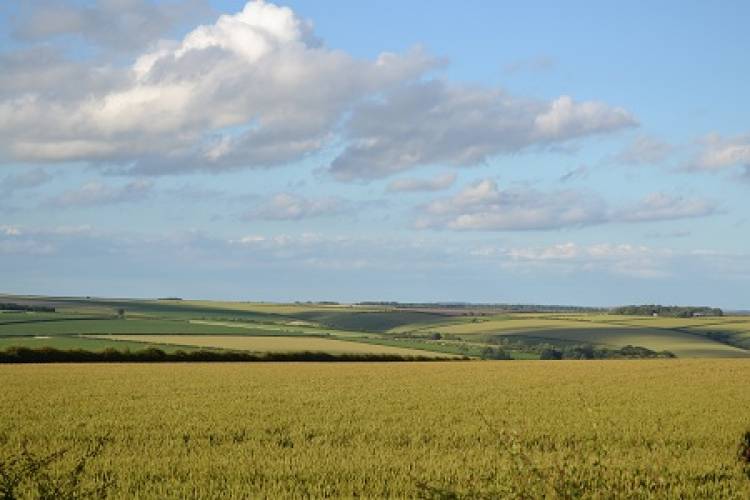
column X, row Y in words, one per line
column 469, row 331
column 433, row 430
column 270, row 344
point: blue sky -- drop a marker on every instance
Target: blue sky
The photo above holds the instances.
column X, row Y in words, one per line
column 419, row 151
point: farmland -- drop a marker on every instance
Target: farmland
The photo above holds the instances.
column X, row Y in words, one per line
column 466, row 429
column 95, row 324
column 453, row 429
column 268, row 344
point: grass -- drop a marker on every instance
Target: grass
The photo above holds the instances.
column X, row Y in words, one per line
column 33, row 317
column 371, row 321
column 90, row 344
column 509, row 324
column 75, row 342
column 456, row 430
column 115, row 326
column 271, row 344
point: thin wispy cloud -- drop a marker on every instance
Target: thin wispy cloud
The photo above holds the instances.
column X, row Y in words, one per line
column 484, row 206
column 718, row 153
column 436, row 183
column 644, row 150
column 97, row 193
column 289, row 206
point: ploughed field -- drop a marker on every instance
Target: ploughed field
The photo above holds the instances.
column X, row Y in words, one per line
column 616, row 429
column 97, row 324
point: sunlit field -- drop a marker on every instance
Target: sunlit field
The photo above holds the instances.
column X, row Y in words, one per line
column 270, row 344
column 625, row 429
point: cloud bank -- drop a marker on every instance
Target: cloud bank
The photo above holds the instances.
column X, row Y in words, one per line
column 257, row 89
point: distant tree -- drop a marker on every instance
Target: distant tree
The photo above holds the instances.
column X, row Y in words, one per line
column 121, row 313
column 550, row 353
column 494, row 353
column 584, row 351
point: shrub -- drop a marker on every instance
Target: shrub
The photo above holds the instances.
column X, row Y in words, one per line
column 154, row 355
column 494, row 353
column 551, row 353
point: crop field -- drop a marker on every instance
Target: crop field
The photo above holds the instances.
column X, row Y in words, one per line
column 271, row 344
column 568, row 429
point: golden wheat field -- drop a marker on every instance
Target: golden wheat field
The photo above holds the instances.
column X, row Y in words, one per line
column 591, row 429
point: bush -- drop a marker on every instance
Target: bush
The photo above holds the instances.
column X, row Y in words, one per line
column 551, row 353
column 494, row 353
column 154, row 355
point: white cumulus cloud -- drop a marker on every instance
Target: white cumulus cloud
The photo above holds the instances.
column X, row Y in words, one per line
column 437, row 122
column 252, row 89
column 257, row 88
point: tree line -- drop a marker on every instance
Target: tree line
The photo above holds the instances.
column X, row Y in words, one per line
column 668, row 311
column 588, row 351
column 155, row 355
column 12, row 306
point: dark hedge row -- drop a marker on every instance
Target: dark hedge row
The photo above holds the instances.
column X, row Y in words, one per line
column 668, row 311
column 588, row 351
column 153, row 355
column 12, row 306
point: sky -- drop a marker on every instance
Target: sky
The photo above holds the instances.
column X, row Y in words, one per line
column 497, row 152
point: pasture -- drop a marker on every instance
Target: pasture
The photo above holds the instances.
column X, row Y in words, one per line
column 533, row 429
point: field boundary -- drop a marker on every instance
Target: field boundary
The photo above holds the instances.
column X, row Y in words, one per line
column 24, row 355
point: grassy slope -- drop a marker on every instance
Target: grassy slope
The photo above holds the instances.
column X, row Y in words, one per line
column 672, row 334
column 85, row 343
column 370, row 321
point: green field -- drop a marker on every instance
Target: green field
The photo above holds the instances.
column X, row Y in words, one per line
column 572, row 429
column 371, row 321
column 448, row 330
column 114, row 326
column 85, row 343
